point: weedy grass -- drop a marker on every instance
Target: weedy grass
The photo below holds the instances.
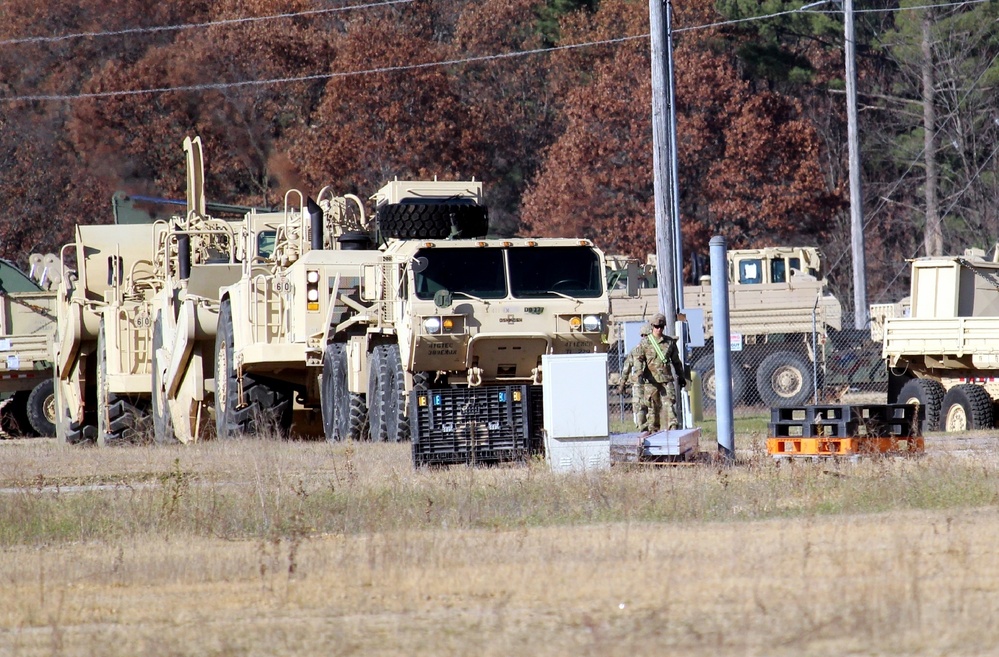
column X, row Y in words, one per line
column 266, row 547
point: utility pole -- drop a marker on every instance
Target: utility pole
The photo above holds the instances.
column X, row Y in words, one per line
column 860, row 316
column 662, row 147
column 674, row 181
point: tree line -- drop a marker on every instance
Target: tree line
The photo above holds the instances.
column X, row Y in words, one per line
column 321, row 93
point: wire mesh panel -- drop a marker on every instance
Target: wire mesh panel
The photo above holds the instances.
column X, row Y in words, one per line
column 773, row 370
column 475, row 425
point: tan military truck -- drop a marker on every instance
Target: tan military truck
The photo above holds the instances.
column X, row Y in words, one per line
column 103, row 334
column 944, row 354
column 196, row 254
column 27, row 324
column 271, row 322
column 776, row 302
column 429, row 329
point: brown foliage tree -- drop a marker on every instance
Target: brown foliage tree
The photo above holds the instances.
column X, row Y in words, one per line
column 748, row 162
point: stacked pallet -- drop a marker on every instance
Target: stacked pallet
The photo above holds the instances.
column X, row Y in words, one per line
column 845, row 430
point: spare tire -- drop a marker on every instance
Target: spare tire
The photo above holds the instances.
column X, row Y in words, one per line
column 432, row 220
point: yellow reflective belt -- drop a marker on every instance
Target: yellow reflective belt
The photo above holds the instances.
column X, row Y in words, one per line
column 659, row 351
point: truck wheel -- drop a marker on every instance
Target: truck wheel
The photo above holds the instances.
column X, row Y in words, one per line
column 344, row 413
column 705, row 367
column 120, row 420
column 966, row 406
column 14, row 416
column 928, row 394
column 784, row 379
column 265, row 405
column 386, row 391
column 432, row 220
column 70, row 432
column 160, row 409
column 42, row 408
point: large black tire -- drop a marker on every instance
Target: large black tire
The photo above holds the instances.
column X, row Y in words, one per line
column 929, row 395
column 344, row 413
column 965, row 407
column 266, row 405
column 162, row 423
column 705, row 367
column 387, row 413
column 42, row 409
column 785, row 379
column 121, row 420
column 14, row 417
column 432, row 220
column 71, row 432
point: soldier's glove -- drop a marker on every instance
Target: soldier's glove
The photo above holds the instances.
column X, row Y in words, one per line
column 681, row 383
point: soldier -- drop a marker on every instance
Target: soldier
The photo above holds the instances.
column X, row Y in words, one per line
column 630, row 374
column 656, row 359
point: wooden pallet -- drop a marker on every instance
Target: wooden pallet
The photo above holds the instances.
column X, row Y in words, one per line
column 800, row 446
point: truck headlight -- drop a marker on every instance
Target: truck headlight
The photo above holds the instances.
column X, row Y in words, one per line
column 591, row 323
column 432, row 325
column 312, row 290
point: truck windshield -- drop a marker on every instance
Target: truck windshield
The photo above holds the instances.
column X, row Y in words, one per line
column 477, row 272
column 570, row 270
column 750, row 271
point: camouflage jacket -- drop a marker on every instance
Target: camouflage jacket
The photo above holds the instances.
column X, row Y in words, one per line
column 651, row 367
column 630, row 373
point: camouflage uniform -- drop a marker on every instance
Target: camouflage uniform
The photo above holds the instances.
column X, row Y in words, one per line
column 632, row 375
column 657, row 375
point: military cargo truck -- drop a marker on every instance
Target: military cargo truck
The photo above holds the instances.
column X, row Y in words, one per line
column 414, row 325
column 776, row 301
column 944, row 355
column 27, row 324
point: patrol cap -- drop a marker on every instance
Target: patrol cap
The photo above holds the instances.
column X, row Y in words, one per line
column 658, row 320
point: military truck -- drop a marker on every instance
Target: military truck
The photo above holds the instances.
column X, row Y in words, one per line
column 943, row 355
column 27, row 324
column 777, row 302
column 196, row 254
column 411, row 325
column 103, row 333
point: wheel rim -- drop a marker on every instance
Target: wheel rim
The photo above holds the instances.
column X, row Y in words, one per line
column 957, row 418
column 49, row 408
column 222, row 380
column 787, row 381
column 708, row 385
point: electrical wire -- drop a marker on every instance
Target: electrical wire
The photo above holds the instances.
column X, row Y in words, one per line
column 317, row 76
column 191, row 26
column 390, row 69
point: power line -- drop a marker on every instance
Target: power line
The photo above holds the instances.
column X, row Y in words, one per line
column 191, row 26
column 807, row 9
column 388, row 69
column 317, row 76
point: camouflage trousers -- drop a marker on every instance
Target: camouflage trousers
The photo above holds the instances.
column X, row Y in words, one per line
column 659, row 401
column 638, row 408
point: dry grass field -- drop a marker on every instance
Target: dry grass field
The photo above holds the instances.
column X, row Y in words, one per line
column 274, row 548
